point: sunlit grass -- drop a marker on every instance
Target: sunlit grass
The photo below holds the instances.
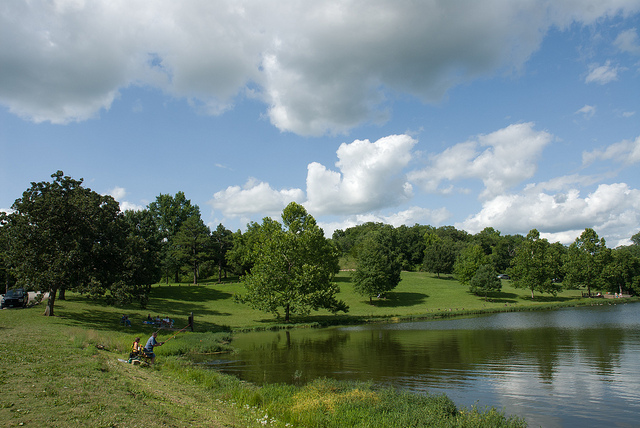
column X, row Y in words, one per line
column 64, row 371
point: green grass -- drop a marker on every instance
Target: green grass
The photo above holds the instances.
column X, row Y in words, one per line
column 419, row 295
column 64, row 371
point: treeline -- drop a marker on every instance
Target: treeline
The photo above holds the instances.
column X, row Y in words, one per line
column 62, row 236
column 530, row 261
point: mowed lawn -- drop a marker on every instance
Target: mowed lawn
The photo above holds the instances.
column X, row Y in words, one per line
column 418, row 295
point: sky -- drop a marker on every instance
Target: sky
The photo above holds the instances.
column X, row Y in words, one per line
column 507, row 114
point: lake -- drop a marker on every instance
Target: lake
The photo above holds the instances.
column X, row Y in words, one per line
column 572, row 367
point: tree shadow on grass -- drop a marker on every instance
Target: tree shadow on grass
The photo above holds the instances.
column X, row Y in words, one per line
column 500, row 297
column 105, row 321
column 546, row 299
column 194, row 293
column 97, row 316
column 395, row 300
column 445, row 278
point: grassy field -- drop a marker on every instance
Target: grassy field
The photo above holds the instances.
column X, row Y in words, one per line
column 64, row 371
column 419, row 295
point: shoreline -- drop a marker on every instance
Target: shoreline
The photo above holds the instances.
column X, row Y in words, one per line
column 441, row 314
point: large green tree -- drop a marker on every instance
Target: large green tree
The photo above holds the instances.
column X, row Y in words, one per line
column 622, row 273
column 468, row 263
column 221, row 243
column 64, row 236
column 485, row 281
column 379, row 264
column 585, row 261
column 533, row 265
column 439, row 254
column 191, row 244
column 293, row 266
column 169, row 213
column 143, row 244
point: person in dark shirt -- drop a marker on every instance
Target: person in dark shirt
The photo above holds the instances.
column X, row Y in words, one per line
column 151, row 343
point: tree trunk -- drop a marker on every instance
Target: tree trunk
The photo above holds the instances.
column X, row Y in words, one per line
column 48, row 312
column 286, row 313
column 62, row 294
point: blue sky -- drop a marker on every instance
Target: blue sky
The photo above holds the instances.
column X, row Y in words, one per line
column 503, row 114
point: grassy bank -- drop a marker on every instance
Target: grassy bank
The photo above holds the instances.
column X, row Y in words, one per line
column 419, row 296
column 56, row 373
column 64, row 371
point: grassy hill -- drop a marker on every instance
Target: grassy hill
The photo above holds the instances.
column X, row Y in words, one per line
column 64, row 371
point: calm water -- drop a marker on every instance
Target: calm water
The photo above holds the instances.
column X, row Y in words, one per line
column 573, row 367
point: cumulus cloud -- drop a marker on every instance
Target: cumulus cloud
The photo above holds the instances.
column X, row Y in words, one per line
column 626, row 152
column 322, row 67
column 612, row 210
column 119, row 193
column 587, row 111
column 254, row 197
column 500, row 160
column 370, row 178
column 602, row 74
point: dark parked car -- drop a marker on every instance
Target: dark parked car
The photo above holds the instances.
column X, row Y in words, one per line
column 504, row 276
column 17, row 298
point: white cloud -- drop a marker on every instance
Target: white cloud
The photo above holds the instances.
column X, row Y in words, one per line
column 588, row 111
column 321, row 67
column 130, row 206
column 119, row 193
column 626, row 152
column 602, row 74
column 254, row 197
column 628, row 113
column 627, row 41
column 500, row 159
column 371, row 177
column 612, row 210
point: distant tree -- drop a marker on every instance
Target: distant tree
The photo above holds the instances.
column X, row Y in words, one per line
column 64, row 236
column 585, row 261
column 5, row 275
column 622, row 272
column 169, row 213
column 635, row 239
column 221, row 243
column 293, row 266
column 378, row 265
column 192, row 244
column 532, row 266
column 411, row 245
column 488, row 238
column 485, row 281
column 141, row 257
column 439, row 254
column 504, row 251
column 240, row 257
column 468, row 263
